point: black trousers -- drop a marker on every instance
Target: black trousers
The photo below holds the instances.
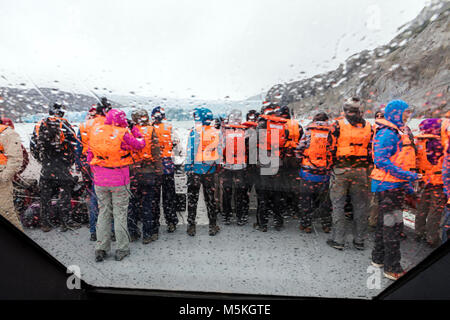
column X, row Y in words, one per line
column 166, row 184
column 314, row 197
column 142, row 203
column 269, row 200
column 234, row 180
column 55, row 188
column 251, row 178
column 289, row 184
column 389, row 227
column 195, row 181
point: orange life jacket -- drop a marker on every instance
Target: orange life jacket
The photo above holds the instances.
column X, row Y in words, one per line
column 315, row 156
column 353, row 141
column 294, row 134
column 445, row 134
column 3, row 157
column 104, row 142
column 145, row 153
column 432, row 174
column 404, row 157
column 234, row 137
column 164, row 133
column 207, row 150
column 250, row 124
column 86, row 126
column 274, row 125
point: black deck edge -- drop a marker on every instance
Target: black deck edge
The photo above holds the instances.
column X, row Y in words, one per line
column 428, row 280
column 100, row 292
column 29, row 272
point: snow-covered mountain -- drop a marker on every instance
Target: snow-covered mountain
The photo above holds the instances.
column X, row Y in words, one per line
column 414, row 66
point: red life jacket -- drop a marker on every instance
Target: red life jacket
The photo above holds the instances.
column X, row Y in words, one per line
column 234, row 138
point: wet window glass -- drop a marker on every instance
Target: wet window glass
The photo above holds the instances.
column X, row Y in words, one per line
column 293, row 148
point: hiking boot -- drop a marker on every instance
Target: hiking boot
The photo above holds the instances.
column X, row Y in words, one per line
column 377, row 265
column 46, row 228
column 278, row 227
column 147, row 240
column 213, row 230
column 394, row 275
column 171, row 227
column 432, row 245
column 134, row 237
column 241, row 222
column 419, row 238
column 358, row 245
column 154, row 237
column 191, row 230
column 260, row 228
column 305, row 229
column 74, row 225
column 113, row 237
column 120, row 254
column 100, row 255
column 326, row 229
column 63, row 228
column 93, row 237
column 335, row 245
column 227, row 221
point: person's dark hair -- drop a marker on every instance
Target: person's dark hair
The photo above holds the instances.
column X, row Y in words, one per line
column 252, row 112
column 104, row 106
column 321, row 116
column 379, row 113
column 353, row 103
column 56, row 109
column 285, row 111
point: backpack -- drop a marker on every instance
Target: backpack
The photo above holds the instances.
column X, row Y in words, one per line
column 52, row 140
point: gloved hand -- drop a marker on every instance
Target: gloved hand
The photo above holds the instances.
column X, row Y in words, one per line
column 219, row 168
column 411, row 201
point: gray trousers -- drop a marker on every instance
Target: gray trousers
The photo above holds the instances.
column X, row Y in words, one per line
column 112, row 204
column 354, row 181
column 7, row 208
column 429, row 213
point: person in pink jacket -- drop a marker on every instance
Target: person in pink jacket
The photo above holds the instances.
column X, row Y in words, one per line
column 109, row 155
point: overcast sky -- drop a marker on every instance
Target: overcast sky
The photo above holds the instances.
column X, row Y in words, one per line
column 207, row 48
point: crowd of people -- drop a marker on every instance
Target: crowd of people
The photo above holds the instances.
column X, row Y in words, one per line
column 310, row 172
